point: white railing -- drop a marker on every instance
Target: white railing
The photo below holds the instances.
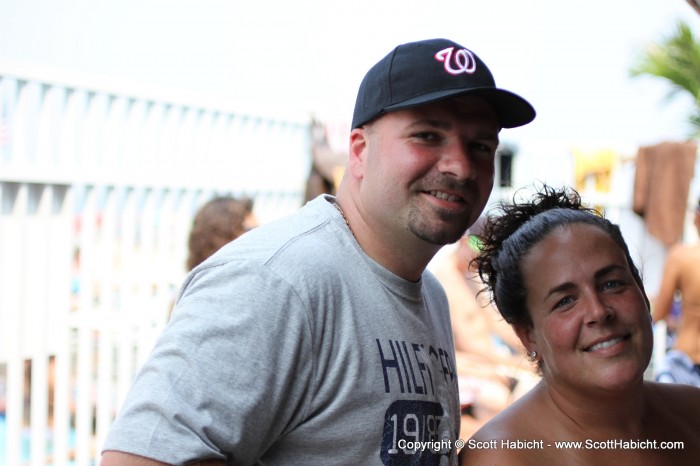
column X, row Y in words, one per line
column 98, row 188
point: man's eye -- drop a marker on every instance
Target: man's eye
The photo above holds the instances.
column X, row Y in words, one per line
column 427, row 136
column 482, row 149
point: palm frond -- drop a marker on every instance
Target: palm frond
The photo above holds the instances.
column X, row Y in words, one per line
column 675, row 58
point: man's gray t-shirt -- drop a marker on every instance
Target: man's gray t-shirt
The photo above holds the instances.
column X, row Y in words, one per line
column 291, row 346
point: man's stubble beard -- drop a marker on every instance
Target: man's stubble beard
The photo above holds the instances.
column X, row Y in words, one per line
column 438, row 233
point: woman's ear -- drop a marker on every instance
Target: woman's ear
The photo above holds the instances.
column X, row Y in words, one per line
column 526, row 336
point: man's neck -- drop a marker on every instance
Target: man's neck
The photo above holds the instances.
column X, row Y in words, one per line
column 405, row 258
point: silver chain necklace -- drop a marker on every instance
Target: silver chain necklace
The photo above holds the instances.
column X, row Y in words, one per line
column 342, row 214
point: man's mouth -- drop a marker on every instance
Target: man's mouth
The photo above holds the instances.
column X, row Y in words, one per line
column 446, row 196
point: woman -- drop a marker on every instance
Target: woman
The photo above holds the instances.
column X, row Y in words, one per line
column 563, row 277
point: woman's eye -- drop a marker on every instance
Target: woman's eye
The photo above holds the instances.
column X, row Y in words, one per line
column 611, row 284
column 564, row 302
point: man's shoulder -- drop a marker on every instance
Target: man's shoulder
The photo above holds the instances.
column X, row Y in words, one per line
column 308, row 218
column 301, row 229
column 430, row 280
column 306, row 244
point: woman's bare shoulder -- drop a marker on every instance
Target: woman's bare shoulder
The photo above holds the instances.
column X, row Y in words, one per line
column 685, row 392
column 674, row 416
column 676, row 398
column 509, row 438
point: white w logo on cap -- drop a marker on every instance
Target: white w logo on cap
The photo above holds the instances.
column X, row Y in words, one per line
column 464, row 61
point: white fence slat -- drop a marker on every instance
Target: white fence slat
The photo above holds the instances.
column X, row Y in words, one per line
column 36, row 333
column 107, row 293
column 60, row 271
column 14, row 205
column 83, row 394
column 88, row 282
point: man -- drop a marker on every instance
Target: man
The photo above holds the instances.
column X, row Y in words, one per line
column 320, row 339
column 682, row 275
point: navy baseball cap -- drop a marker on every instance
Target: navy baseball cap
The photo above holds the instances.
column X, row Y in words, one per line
column 422, row 72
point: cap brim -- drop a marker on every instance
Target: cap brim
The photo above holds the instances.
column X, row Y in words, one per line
column 511, row 109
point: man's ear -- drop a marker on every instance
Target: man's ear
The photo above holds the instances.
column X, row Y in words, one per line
column 359, row 143
column 526, row 336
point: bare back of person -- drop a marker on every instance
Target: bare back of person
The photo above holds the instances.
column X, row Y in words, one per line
column 683, row 274
column 535, row 431
column 688, row 337
column 475, row 322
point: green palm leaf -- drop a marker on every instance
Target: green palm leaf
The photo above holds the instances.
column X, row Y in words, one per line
column 676, row 58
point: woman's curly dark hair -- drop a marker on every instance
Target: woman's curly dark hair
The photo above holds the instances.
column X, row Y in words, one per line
column 510, row 232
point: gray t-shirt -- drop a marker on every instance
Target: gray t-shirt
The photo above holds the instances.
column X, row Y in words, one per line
column 291, row 346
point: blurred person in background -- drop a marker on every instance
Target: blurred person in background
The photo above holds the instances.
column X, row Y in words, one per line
column 327, row 165
column 681, row 277
column 491, row 364
column 217, row 223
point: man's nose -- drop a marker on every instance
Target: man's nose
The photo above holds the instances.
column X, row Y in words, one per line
column 456, row 161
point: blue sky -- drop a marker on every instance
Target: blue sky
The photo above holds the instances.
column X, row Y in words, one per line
column 570, row 59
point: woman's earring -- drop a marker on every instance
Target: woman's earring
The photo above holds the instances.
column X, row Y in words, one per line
column 533, row 354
